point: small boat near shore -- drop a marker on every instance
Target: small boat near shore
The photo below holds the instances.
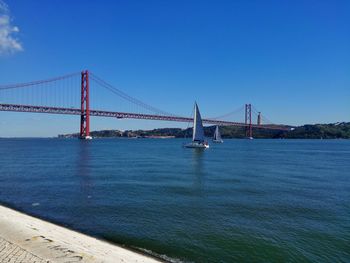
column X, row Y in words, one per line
column 198, row 138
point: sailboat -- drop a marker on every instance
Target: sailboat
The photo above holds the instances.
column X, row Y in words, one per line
column 217, row 136
column 198, row 140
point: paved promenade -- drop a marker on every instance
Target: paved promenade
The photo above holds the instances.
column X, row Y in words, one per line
column 25, row 239
column 12, row 253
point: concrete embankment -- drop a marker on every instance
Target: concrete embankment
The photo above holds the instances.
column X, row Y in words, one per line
column 27, row 239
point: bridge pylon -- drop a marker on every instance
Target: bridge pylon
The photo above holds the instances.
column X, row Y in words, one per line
column 248, row 121
column 85, row 107
column 259, row 118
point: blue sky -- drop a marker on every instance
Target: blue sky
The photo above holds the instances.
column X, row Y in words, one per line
column 290, row 59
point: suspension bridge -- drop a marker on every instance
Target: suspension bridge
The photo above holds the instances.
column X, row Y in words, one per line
column 85, row 94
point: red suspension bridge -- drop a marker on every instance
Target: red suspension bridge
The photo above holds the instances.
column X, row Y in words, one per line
column 72, row 94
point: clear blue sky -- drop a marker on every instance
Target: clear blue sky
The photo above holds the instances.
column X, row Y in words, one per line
column 291, row 59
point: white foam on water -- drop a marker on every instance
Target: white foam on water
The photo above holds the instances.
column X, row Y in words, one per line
column 161, row 256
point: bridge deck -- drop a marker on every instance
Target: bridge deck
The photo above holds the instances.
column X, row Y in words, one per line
column 128, row 115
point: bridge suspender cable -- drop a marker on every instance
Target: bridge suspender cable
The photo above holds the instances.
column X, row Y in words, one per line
column 33, row 83
column 122, row 94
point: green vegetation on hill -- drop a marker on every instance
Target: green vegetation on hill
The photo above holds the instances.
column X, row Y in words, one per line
column 316, row 131
column 326, row 131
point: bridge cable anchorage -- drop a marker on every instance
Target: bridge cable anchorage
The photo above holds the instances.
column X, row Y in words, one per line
column 125, row 96
column 38, row 82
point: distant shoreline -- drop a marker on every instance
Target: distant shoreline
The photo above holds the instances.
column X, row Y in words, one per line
column 340, row 130
column 170, row 137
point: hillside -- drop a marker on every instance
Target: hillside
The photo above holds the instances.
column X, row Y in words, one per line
column 316, row 131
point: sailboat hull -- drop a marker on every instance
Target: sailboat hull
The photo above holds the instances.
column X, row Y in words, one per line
column 196, row 145
column 218, row 141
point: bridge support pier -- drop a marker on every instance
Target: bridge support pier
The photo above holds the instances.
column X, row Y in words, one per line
column 248, row 121
column 85, row 107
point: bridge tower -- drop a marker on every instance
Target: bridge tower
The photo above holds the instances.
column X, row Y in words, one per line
column 259, row 118
column 85, row 107
column 248, row 121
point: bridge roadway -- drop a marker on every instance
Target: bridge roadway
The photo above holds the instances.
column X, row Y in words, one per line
column 127, row 115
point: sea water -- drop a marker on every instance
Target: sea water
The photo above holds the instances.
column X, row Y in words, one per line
column 240, row 201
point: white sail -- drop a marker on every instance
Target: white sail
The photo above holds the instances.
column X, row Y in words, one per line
column 198, row 131
column 198, row 140
column 217, row 135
